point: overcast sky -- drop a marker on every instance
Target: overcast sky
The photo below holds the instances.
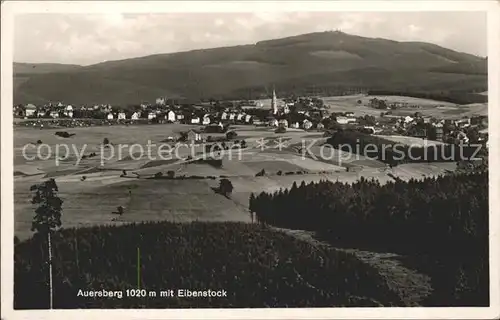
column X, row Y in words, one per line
column 91, row 38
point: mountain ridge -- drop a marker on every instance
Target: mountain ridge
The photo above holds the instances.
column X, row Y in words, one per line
column 333, row 59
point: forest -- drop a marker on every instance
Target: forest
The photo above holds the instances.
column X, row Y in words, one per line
column 258, row 266
column 445, row 218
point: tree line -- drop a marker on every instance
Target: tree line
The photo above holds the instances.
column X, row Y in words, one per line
column 458, row 97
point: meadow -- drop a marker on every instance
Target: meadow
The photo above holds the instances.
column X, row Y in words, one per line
column 432, row 108
column 92, row 201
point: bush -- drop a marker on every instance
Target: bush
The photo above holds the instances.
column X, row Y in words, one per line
column 231, row 135
column 260, row 173
column 63, row 134
column 158, row 175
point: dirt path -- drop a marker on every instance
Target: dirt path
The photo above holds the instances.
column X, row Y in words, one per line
column 411, row 286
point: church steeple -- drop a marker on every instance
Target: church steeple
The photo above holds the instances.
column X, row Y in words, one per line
column 274, row 103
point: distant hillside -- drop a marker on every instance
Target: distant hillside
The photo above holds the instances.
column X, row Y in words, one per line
column 38, row 68
column 325, row 62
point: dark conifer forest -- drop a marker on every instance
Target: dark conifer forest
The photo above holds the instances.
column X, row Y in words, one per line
column 445, row 218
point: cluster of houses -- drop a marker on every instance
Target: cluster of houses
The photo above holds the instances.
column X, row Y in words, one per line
column 300, row 113
column 52, row 111
column 445, row 129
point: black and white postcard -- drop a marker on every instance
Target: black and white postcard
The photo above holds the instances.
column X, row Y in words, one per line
column 250, row 159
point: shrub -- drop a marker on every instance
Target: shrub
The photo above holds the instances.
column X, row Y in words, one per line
column 231, row 135
column 158, row 175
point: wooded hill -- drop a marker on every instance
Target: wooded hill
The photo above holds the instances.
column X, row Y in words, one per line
column 323, row 63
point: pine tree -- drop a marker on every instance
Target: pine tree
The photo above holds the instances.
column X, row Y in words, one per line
column 47, row 217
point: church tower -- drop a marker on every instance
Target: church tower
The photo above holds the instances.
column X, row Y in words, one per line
column 274, row 103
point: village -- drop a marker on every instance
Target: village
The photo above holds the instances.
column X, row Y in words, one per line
column 302, row 113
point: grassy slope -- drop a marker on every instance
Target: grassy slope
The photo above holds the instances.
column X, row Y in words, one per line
column 257, row 266
column 328, row 59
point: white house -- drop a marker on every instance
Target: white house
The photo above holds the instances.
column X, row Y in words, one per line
column 320, row 126
column 224, row 116
column 408, row 119
column 171, row 116
column 68, row 111
column 194, row 136
column 283, row 123
column 307, row 124
column 54, row 114
column 462, row 123
column 151, row 115
column 273, row 122
column 160, row 101
column 195, row 120
column 121, row 116
column 427, row 119
column 231, row 116
column 240, row 117
column 372, row 129
column 295, row 125
column 110, row 116
column 345, row 120
column 180, row 116
column 135, row 116
column 30, row 110
column 206, row 120
column 286, row 109
column 248, row 118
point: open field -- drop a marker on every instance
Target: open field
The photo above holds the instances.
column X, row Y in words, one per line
column 92, row 201
column 433, row 108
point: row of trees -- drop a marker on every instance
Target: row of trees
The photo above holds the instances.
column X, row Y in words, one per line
column 440, row 212
column 458, row 97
